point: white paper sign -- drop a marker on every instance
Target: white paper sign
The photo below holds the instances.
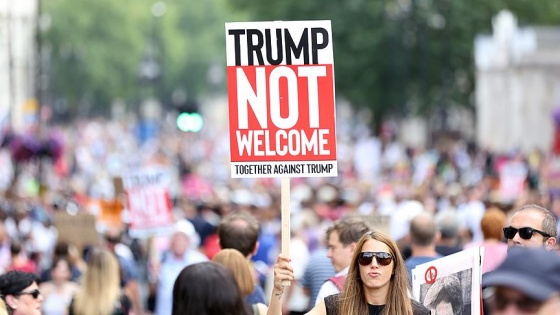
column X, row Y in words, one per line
column 451, row 284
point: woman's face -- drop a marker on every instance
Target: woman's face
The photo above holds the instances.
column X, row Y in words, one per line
column 376, row 276
column 61, row 272
column 25, row 303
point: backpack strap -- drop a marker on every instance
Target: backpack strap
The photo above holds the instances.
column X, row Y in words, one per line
column 338, row 281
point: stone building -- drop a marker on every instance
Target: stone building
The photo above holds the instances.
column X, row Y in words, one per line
column 18, row 70
column 517, row 85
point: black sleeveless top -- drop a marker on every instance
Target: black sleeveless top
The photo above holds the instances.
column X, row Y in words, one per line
column 332, row 306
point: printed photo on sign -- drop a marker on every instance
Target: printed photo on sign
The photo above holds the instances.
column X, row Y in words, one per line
column 449, row 294
column 281, row 99
column 451, row 284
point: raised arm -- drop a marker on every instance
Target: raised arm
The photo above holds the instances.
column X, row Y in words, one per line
column 282, row 271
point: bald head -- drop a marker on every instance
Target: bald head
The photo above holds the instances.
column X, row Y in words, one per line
column 239, row 231
column 423, row 229
column 537, row 218
column 549, row 225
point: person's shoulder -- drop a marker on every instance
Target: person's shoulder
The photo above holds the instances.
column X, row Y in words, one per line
column 329, row 305
column 195, row 256
column 257, row 296
column 46, row 288
column 419, row 309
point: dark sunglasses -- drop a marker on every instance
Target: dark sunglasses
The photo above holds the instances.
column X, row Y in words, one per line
column 525, row 232
column 526, row 304
column 35, row 293
column 382, row 258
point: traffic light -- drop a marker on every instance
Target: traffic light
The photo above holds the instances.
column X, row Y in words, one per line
column 189, row 119
column 190, row 122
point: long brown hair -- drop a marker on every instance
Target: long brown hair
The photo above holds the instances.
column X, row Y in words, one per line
column 352, row 298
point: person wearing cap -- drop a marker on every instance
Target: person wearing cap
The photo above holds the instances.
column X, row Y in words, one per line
column 532, row 226
column 524, row 283
column 21, row 293
column 179, row 255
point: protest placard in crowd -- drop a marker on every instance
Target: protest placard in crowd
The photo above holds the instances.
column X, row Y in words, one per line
column 451, row 284
column 281, row 99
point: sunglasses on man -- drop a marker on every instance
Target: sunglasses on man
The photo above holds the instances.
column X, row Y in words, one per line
column 525, row 232
column 382, row 258
column 528, row 305
column 35, row 293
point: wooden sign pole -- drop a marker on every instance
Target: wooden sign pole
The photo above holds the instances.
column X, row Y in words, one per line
column 285, row 205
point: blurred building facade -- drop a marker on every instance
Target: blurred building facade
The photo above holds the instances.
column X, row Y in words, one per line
column 18, row 66
column 517, row 85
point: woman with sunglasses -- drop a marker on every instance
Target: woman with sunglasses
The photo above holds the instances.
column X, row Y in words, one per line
column 377, row 282
column 21, row 293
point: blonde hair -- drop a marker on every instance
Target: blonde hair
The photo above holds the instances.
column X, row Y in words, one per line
column 238, row 264
column 100, row 286
column 352, row 298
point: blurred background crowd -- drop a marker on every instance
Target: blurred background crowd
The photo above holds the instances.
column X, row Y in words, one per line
column 443, row 107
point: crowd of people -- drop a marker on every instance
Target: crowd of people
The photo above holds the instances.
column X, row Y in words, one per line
column 353, row 237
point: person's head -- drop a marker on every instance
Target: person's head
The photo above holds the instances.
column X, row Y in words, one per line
column 492, row 224
column 61, row 270
column 449, row 225
column 182, row 237
column 21, row 293
column 423, row 230
column 215, row 292
column 61, row 249
column 238, row 264
column 100, row 286
column 112, row 237
column 532, row 226
column 342, row 237
column 525, row 280
column 240, row 231
column 445, row 296
column 376, row 267
column 15, row 248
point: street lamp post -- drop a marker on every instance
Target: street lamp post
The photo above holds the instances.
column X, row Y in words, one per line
column 150, row 74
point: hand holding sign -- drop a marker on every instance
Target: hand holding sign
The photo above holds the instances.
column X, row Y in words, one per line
column 281, row 104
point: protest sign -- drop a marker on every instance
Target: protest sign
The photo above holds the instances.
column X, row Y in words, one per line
column 281, row 99
column 513, row 179
column 148, row 202
column 451, row 284
column 77, row 229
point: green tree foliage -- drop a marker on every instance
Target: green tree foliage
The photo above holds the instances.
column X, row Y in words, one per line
column 96, row 49
column 404, row 56
column 393, row 56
